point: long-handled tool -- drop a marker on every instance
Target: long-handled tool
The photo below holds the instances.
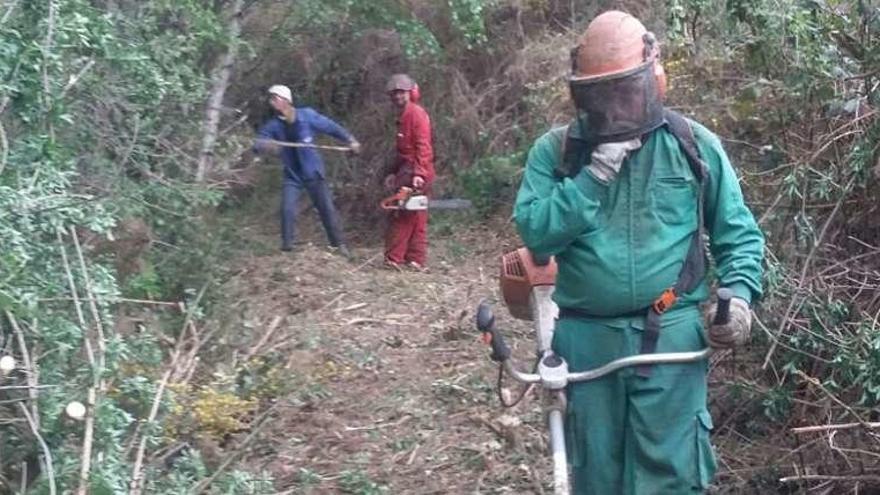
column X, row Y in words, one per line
column 527, row 284
column 409, row 199
column 290, row 144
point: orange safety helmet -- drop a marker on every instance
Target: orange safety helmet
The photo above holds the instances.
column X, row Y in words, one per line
column 615, row 42
column 617, row 82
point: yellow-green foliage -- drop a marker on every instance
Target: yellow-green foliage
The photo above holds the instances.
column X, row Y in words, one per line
column 220, row 413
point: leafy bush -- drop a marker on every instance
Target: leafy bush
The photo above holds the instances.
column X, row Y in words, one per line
column 491, row 182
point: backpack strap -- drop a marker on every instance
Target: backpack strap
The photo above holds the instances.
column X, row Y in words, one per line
column 684, row 134
column 693, row 270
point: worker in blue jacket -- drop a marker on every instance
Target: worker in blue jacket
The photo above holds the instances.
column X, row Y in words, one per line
column 303, row 166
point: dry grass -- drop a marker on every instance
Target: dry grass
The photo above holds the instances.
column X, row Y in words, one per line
column 390, row 385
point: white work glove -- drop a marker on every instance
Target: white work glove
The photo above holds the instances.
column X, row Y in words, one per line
column 737, row 329
column 607, row 158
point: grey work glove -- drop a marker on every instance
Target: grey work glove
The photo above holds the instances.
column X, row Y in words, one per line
column 737, row 329
column 607, row 158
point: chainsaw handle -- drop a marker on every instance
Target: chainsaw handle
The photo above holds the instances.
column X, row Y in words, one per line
column 722, row 311
column 491, row 336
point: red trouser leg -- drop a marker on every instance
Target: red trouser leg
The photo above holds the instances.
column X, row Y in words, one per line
column 400, row 229
column 418, row 242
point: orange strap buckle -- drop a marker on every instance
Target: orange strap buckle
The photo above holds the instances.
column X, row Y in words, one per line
column 665, row 301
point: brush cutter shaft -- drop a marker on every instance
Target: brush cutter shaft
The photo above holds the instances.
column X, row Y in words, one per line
column 557, row 447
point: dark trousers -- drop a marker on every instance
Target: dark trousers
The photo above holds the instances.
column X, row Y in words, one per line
column 322, row 201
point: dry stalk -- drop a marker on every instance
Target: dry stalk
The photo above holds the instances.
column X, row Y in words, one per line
column 74, row 294
column 75, row 79
column 264, row 339
column 842, row 426
column 47, row 454
column 822, row 477
column 9, row 11
column 31, row 374
column 816, row 383
column 137, row 480
column 98, row 372
column 4, row 145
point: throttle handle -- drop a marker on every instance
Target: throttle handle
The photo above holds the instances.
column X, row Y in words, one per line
column 722, row 312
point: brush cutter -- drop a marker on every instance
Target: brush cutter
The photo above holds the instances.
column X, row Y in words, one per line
column 527, row 284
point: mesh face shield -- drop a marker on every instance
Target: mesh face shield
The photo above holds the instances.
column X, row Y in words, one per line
column 620, row 106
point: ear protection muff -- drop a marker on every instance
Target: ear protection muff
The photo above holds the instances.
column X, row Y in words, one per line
column 415, row 94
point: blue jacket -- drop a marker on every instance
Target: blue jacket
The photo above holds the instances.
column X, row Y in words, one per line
column 302, row 163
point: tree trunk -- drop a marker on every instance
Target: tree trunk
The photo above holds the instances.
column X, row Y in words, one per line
column 218, row 91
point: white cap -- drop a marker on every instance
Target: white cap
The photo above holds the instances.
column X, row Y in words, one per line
column 282, row 91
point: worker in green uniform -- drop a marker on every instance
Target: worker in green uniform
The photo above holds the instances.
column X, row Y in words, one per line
column 624, row 198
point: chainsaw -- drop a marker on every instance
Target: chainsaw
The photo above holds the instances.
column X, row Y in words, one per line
column 409, row 199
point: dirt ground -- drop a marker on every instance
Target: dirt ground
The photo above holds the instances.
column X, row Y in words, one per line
column 391, row 390
column 385, row 385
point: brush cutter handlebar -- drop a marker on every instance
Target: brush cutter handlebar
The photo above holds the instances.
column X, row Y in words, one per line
column 553, row 371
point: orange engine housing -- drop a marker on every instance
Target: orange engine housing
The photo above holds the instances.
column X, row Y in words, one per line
column 519, row 274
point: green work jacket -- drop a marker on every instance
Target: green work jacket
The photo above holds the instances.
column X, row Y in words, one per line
column 620, row 245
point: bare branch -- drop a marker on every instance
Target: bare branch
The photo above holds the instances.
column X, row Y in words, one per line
column 75, row 78
column 822, row 477
column 31, row 374
column 842, row 426
column 97, row 371
column 4, row 144
column 137, row 480
column 47, row 454
column 76, row 303
column 9, row 11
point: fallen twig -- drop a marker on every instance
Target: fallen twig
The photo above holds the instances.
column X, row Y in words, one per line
column 841, row 426
column 822, row 477
column 365, row 263
column 332, row 301
column 352, row 307
column 265, row 338
column 816, row 383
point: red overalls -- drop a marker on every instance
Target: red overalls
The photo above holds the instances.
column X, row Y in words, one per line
column 407, row 236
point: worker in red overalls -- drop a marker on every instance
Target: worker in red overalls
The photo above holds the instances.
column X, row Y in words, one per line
column 406, row 241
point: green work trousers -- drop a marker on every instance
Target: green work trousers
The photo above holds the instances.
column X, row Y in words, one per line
column 630, row 435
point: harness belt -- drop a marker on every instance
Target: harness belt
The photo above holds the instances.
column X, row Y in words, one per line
column 576, row 152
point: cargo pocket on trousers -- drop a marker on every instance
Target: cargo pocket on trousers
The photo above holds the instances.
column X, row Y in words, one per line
column 574, row 439
column 705, row 456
